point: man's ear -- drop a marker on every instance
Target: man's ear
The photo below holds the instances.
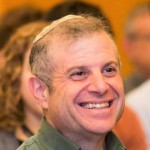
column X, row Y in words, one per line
column 39, row 91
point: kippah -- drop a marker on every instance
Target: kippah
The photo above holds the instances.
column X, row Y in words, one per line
column 55, row 23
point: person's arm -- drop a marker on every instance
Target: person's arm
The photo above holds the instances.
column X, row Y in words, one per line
column 130, row 131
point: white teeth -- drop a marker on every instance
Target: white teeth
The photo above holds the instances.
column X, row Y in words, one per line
column 91, row 106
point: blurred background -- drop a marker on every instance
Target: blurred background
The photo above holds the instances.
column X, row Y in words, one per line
column 115, row 10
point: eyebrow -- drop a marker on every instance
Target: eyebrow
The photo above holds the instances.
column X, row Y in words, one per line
column 85, row 67
column 117, row 64
column 76, row 67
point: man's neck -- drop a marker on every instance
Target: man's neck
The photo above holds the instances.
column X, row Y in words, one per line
column 90, row 142
column 92, row 146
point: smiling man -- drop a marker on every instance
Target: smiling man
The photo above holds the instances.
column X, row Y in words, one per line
column 78, row 84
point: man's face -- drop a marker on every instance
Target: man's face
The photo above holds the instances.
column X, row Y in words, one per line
column 139, row 42
column 88, row 92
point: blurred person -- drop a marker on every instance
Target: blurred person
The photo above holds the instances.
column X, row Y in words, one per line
column 137, row 45
column 16, row 17
column 77, row 83
column 138, row 100
column 131, row 131
column 20, row 115
column 76, row 7
column 1, row 59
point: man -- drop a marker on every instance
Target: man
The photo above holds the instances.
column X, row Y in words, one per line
column 77, row 83
column 137, row 45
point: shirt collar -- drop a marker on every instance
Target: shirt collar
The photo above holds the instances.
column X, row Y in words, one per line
column 49, row 137
column 112, row 142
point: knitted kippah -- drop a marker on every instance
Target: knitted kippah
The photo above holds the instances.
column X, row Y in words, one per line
column 48, row 28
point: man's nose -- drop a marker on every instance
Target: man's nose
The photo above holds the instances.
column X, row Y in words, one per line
column 98, row 84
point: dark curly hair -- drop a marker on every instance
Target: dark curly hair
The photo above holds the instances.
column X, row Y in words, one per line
column 11, row 105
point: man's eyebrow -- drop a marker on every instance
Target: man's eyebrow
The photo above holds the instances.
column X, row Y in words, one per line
column 76, row 67
column 116, row 63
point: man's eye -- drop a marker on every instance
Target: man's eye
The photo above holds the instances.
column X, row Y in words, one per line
column 110, row 71
column 80, row 75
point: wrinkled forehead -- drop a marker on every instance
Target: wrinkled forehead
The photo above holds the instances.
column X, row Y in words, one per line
column 66, row 44
column 59, row 39
column 62, row 33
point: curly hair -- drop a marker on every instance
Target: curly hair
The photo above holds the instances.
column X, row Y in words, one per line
column 11, row 105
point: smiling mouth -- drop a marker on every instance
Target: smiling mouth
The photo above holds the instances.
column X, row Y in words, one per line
column 96, row 105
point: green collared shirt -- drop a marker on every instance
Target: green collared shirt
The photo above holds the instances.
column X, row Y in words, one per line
column 49, row 138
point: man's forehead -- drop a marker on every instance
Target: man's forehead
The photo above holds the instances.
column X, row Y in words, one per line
column 80, row 45
column 58, row 42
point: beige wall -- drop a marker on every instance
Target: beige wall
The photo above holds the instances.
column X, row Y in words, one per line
column 116, row 10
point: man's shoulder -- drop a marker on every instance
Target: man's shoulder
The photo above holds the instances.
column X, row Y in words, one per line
column 113, row 142
column 31, row 144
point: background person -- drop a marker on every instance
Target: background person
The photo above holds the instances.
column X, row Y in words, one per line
column 137, row 45
column 20, row 115
column 76, row 7
column 132, row 138
column 138, row 100
column 12, row 20
column 15, row 18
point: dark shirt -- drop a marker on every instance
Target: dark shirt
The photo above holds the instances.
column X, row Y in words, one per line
column 49, row 138
column 131, row 82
